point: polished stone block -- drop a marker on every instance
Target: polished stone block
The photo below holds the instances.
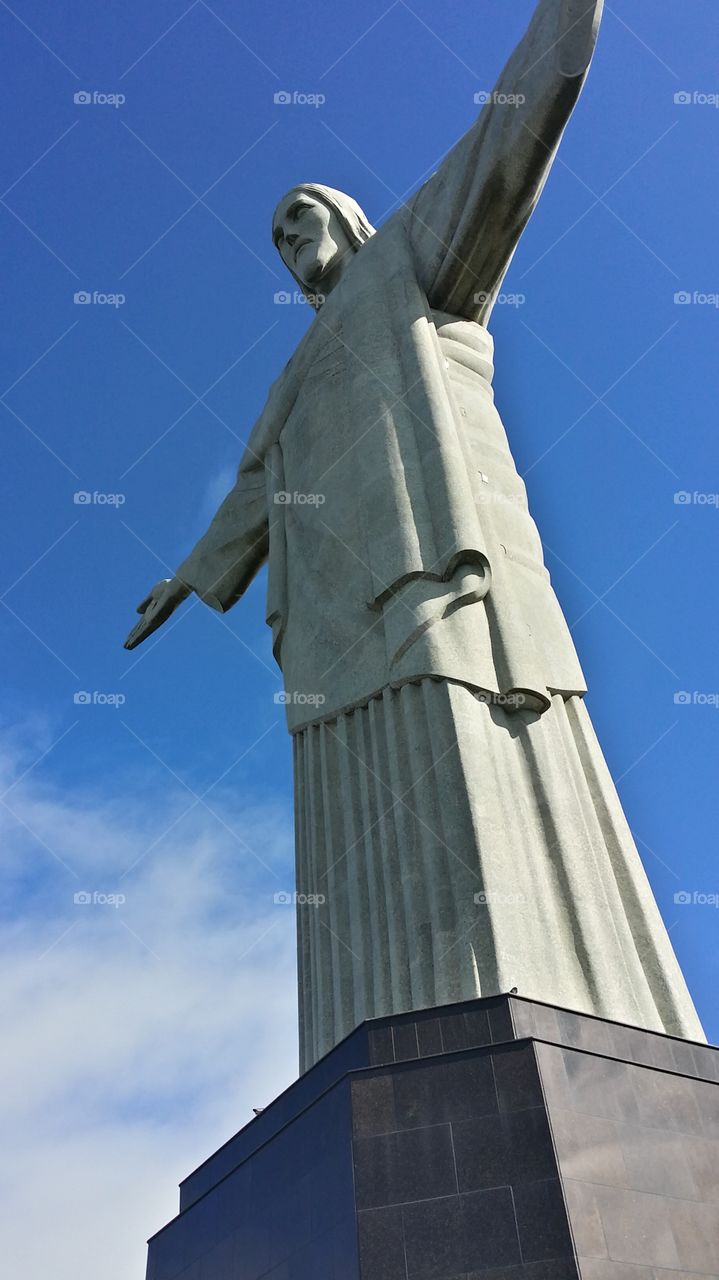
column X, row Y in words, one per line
column 515, row 1147
column 500, row 1139
column 638, row 1152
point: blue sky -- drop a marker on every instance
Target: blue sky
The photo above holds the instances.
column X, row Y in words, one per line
column 143, row 1033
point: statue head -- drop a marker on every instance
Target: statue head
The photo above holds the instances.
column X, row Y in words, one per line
column 316, row 231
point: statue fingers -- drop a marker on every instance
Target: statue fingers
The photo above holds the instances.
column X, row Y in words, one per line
column 144, row 604
column 136, row 636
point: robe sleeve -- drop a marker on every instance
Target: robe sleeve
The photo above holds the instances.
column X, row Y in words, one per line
column 226, row 559
column 466, row 220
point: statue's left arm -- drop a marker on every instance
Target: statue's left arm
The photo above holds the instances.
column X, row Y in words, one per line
column 466, row 220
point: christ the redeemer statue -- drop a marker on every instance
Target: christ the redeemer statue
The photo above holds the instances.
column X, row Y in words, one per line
column 453, row 806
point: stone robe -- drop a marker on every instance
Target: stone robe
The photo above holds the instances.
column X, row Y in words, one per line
column 410, row 607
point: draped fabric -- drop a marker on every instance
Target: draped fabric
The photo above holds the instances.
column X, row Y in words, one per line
column 462, row 850
column 369, row 374
column 453, row 807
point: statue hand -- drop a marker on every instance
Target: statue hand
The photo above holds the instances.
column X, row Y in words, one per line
column 156, row 608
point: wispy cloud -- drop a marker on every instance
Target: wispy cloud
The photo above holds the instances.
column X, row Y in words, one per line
column 139, row 1035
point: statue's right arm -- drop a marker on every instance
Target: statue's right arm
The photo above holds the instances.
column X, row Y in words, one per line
column 222, row 564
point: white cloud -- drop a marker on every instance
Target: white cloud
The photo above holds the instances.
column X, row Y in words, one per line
column 137, row 1038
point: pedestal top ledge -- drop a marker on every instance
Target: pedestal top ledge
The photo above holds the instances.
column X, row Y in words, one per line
column 451, row 1029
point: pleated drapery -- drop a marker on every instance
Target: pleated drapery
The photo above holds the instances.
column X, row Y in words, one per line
column 463, row 849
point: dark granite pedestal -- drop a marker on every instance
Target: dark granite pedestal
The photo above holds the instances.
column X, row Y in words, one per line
column 501, row 1139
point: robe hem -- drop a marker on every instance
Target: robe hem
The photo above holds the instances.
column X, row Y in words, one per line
column 509, row 701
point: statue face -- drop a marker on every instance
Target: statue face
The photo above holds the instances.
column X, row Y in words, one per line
column 310, row 238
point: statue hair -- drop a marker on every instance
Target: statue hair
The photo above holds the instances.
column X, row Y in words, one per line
column 352, row 219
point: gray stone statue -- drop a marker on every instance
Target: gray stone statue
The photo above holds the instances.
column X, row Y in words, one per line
column 453, row 806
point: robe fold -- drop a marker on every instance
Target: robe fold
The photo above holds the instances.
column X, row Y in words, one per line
column 410, row 607
column 365, row 407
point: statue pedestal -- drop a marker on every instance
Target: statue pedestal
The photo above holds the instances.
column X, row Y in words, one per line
column 500, row 1138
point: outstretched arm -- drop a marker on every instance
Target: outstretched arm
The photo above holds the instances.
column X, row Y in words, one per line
column 224, row 561
column 467, row 219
